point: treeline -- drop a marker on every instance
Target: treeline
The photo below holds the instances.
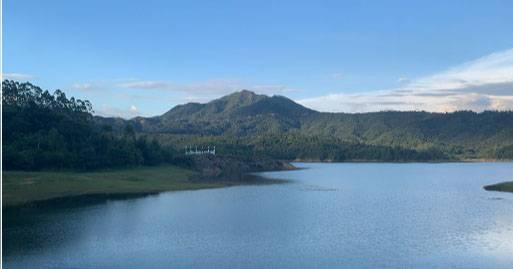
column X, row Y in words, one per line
column 279, row 127
column 295, row 146
column 42, row 130
column 505, row 153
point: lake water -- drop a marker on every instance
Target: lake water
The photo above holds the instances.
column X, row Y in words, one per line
column 366, row 215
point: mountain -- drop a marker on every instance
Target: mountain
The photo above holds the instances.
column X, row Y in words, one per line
column 241, row 113
column 249, row 123
column 43, row 130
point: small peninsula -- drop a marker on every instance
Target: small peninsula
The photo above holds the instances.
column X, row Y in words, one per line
column 503, row 187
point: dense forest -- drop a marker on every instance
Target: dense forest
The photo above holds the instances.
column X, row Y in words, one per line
column 246, row 123
column 42, row 130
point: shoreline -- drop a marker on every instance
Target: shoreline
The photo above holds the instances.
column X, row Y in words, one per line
column 29, row 189
column 399, row 162
column 506, row 186
column 26, row 187
column 97, row 198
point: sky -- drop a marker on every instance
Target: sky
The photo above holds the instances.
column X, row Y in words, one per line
column 133, row 58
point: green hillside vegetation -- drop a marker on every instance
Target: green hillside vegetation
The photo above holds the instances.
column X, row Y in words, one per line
column 504, row 187
column 49, row 131
column 250, row 124
column 21, row 187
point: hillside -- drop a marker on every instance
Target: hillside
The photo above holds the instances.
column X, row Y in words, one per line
column 43, row 130
column 248, row 123
column 242, row 113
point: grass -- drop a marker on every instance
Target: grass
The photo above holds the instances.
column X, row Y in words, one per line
column 20, row 187
column 504, row 186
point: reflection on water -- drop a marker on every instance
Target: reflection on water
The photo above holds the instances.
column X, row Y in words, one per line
column 329, row 215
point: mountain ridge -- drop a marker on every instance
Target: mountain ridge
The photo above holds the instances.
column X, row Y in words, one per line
column 219, row 115
column 44, row 130
column 247, row 118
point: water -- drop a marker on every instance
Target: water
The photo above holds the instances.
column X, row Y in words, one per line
column 329, row 215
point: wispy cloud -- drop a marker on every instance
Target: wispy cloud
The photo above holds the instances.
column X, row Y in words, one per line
column 337, row 76
column 166, row 93
column 216, row 87
column 403, row 80
column 110, row 111
column 83, row 86
column 482, row 84
column 17, row 76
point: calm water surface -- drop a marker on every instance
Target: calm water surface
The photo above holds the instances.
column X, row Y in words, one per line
column 330, row 215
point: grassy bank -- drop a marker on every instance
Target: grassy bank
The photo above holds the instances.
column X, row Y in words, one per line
column 504, row 186
column 21, row 187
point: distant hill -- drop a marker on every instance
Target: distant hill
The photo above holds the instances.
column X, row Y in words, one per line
column 242, row 113
column 248, row 123
column 42, row 130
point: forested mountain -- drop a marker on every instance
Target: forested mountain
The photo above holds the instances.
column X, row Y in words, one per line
column 43, row 130
column 247, row 123
column 240, row 114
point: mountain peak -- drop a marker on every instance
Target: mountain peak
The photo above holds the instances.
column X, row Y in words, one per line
column 238, row 113
column 246, row 92
column 239, row 105
column 240, row 99
column 243, row 95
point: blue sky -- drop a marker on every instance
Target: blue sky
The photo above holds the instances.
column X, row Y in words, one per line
column 143, row 57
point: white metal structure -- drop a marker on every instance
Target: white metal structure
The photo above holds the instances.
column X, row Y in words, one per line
column 189, row 150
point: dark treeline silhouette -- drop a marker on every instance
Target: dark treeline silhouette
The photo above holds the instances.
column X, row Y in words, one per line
column 42, row 130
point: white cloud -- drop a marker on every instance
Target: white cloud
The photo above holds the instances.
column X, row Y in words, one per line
column 208, row 87
column 83, row 86
column 110, row 111
column 146, row 84
column 482, row 84
column 403, row 80
column 17, row 76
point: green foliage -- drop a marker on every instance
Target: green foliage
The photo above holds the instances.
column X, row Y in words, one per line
column 504, row 186
column 505, row 152
column 28, row 186
column 50, row 131
column 43, row 130
column 294, row 146
column 245, row 124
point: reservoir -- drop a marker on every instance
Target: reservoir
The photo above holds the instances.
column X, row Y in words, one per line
column 329, row 215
